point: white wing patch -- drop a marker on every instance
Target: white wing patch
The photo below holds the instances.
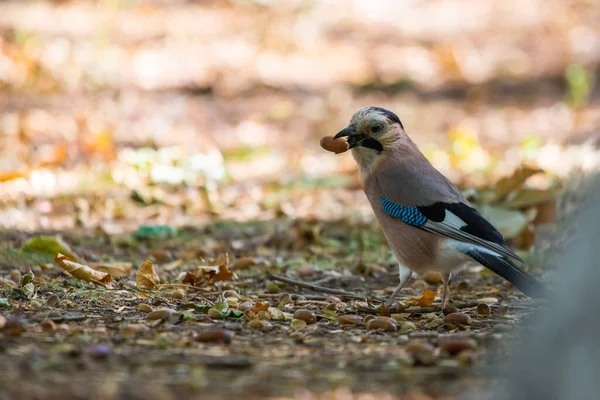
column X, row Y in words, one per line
column 452, row 221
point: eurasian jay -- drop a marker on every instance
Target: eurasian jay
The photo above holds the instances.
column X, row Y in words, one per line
column 426, row 220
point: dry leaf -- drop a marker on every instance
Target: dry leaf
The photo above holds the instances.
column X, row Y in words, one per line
column 218, row 272
column 146, row 277
column 510, row 223
column 425, row 300
column 117, row 269
column 260, row 307
column 506, row 185
column 190, row 279
column 82, row 272
column 223, row 275
column 530, row 197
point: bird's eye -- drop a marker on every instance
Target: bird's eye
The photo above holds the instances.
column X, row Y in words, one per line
column 376, row 128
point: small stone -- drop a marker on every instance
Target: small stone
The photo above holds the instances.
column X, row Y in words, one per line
column 259, row 324
column 298, row 324
column 131, row 330
column 306, row 270
column 422, row 352
column 285, row 298
column 407, row 327
column 145, row 308
column 489, row 300
column 272, row 287
column 454, row 346
column 450, row 310
column 232, row 302
column 159, row 314
column 502, row 309
column 457, row 320
column 15, row 276
column 384, row 324
column 433, row 278
column 264, row 315
column 178, row 294
column 334, row 299
column 276, row 314
column 246, row 305
column 306, row 315
column 434, row 323
column 467, row 357
column 351, row 320
column 399, row 318
column 484, row 309
column 215, row 336
column 463, row 286
column 48, row 325
column 100, row 351
column 53, row 301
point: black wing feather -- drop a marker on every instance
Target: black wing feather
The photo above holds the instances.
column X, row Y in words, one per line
column 476, row 225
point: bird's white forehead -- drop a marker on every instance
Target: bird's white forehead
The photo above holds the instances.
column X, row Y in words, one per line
column 369, row 113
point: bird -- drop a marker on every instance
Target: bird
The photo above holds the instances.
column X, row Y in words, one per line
column 426, row 220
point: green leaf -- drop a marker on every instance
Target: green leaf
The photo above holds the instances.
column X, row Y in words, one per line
column 154, row 231
column 4, row 302
column 49, row 246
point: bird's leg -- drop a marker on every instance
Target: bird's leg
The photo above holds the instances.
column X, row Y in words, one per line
column 445, row 280
column 405, row 275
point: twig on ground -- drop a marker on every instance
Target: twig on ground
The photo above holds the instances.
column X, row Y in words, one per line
column 321, row 289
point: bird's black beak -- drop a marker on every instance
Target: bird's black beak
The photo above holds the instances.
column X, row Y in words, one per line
column 357, row 138
column 354, row 135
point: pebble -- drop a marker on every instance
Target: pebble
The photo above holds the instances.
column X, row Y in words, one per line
column 384, row 324
column 145, row 308
column 159, row 314
column 457, row 320
column 484, row 309
column 52, row 301
column 215, row 336
column 306, row 315
column 454, row 346
column 48, row 325
column 350, row 319
column 100, row 351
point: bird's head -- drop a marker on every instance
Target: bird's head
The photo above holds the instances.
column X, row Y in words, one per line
column 372, row 132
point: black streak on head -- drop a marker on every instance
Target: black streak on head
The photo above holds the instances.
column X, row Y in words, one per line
column 389, row 115
column 372, row 144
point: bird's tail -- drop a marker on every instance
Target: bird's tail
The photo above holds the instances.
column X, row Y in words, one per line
column 509, row 271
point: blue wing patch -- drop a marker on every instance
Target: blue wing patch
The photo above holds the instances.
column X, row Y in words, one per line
column 408, row 215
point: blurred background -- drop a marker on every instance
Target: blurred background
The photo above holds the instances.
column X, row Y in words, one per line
column 192, row 109
column 180, row 131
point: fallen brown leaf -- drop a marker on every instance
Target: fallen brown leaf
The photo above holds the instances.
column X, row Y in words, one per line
column 117, row 269
column 260, row 307
column 506, row 185
column 146, row 277
column 81, row 271
column 425, row 300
